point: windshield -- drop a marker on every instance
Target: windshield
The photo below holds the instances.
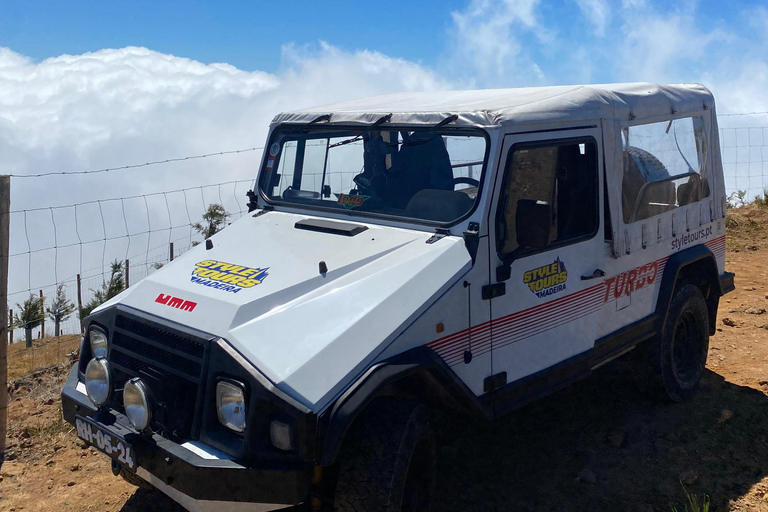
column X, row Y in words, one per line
column 425, row 175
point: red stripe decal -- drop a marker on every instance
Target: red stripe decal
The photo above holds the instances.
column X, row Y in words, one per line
column 538, row 319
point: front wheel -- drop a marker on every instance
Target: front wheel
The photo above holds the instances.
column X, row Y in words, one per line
column 388, row 460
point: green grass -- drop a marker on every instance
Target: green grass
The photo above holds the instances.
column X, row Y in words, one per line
column 51, row 430
column 694, row 504
column 762, row 201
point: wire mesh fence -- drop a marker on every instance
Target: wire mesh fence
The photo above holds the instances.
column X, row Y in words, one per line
column 76, row 245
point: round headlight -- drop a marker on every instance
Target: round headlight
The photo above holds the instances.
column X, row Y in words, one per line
column 230, row 405
column 97, row 380
column 98, row 340
column 136, row 403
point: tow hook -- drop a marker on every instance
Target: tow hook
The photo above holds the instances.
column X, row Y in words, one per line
column 115, row 468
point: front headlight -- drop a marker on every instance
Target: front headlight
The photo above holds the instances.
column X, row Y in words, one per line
column 97, row 380
column 98, row 339
column 230, row 405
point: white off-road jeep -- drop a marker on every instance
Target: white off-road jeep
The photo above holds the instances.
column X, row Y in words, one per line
column 407, row 255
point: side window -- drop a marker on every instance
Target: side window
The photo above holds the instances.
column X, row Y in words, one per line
column 664, row 167
column 562, row 174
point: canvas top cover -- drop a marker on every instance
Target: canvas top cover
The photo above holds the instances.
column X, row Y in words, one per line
column 497, row 107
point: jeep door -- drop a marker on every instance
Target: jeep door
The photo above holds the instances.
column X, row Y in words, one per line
column 547, row 254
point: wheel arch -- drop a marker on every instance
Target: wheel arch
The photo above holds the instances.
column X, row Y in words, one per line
column 695, row 265
column 417, row 373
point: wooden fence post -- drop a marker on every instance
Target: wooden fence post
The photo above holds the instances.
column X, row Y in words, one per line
column 42, row 322
column 10, row 327
column 127, row 274
column 5, row 215
column 80, row 302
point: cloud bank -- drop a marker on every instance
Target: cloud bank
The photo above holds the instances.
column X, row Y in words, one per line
column 132, row 105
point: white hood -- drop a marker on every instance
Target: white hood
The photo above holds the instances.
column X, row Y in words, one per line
column 308, row 333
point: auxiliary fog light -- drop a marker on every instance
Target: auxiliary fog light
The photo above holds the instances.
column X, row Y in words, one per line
column 136, row 403
column 98, row 340
column 97, row 380
column 230, row 405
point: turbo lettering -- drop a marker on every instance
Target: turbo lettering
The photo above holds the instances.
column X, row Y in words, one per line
column 630, row 281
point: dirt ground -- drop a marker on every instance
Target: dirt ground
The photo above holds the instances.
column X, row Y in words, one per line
column 597, row 445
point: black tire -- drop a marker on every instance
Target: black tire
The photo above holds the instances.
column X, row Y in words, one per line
column 674, row 361
column 387, row 462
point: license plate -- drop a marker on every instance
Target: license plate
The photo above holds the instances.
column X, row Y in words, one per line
column 107, row 443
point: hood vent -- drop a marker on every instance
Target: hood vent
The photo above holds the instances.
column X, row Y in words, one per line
column 329, row 226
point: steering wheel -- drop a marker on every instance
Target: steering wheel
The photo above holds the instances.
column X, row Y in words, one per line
column 461, row 180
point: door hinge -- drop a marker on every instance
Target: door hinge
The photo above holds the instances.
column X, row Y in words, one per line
column 494, row 381
column 491, row 291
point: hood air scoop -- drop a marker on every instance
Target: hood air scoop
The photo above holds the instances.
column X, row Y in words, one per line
column 329, row 226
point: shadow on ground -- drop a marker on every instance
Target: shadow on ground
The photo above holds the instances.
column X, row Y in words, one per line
column 637, row 449
column 150, row 501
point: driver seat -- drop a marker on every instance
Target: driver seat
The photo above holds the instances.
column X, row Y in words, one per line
column 422, row 163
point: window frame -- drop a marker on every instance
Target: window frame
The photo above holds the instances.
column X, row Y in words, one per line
column 300, row 129
column 521, row 252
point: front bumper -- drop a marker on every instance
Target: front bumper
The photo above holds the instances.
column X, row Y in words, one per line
column 202, row 479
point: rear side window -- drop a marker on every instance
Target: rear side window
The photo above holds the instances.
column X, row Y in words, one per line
column 562, row 174
column 664, row 167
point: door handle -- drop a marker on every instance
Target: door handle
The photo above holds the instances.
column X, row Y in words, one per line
column 596, row 274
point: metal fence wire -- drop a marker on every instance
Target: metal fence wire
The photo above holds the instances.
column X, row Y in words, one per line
column 75, row 245
column 55, row 245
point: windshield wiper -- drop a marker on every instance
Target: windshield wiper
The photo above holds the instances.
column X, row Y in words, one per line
column 424, row 140
column 375, row 125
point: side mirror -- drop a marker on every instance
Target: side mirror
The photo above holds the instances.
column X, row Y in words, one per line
column 532, row 223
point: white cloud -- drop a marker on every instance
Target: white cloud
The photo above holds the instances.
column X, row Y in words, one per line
column 597, row 12
column 658, row 47
column 119, row 106
column 132, row 105
column 487, row 41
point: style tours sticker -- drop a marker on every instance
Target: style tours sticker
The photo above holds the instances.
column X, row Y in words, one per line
column 227, row 276
column 547, row 280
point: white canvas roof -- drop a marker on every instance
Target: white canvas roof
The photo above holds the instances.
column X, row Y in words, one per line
column 497, row 107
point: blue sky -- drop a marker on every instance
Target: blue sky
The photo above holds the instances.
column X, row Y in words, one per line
column 251, row 35
column 248, row 35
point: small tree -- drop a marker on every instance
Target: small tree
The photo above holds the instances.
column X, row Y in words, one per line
column 109, row 289
column 31, row 314
column 214, row 220
column 60, row 309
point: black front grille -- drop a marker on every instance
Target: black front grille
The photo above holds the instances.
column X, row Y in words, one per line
column 171, row 362
column 170, row 340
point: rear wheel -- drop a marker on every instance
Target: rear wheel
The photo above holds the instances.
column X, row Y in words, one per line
column 677, row 357
column 387, row 462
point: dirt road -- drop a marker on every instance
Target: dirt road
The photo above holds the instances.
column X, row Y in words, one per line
column 598, row 445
